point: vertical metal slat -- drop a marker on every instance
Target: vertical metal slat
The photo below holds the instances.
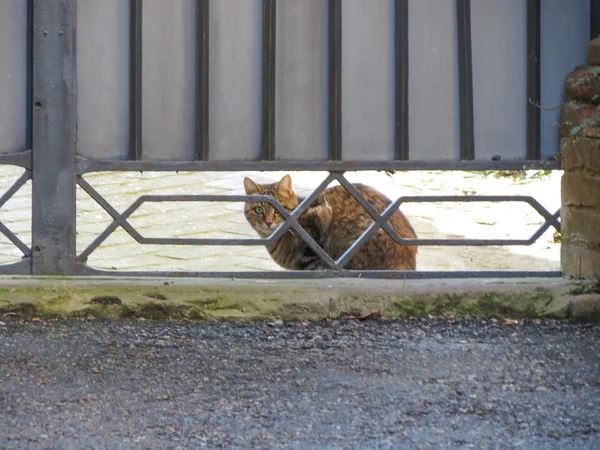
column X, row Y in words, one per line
column 465, row 80
column 533, row 79
column 135, row 80
column 594, row 19
column 29, row 78
column 401, row 79
column 201, row 141
column 268, row 82
column 334, row 102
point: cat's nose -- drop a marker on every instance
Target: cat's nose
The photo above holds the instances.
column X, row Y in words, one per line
column 268, row 224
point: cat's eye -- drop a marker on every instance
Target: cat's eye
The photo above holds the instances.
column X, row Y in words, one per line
column 259, row 209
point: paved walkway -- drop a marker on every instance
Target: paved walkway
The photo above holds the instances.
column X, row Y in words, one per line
column 223, row 220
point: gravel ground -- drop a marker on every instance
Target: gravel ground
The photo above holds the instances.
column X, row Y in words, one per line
column 428, row 383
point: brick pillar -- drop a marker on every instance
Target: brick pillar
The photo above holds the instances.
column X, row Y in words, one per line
column 580, row 159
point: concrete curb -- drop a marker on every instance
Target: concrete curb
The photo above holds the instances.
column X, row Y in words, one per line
column 291, row 300
column 585, row 308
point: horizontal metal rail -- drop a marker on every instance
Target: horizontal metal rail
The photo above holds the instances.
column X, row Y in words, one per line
column 83, row 270
column 84, row 166
column 22, row 267
column 20, row 159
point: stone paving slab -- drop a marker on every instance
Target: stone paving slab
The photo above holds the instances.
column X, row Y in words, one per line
column 226, row 220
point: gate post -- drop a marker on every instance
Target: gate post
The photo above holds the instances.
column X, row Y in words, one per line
column 580, row 160
column 54, row 137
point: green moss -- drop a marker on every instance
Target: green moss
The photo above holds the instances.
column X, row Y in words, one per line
column 517, row 305
column 24, row 309
column 205, row 303
column 405, row 309
column 106, row 300
column 233, row 305
column 586, row 287
column 443, row 304
column 158, row 311
column 101, row 311
column 494, row 306
column 302, row 311
column 251, row 302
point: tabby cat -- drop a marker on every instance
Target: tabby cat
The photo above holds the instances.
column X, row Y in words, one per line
column 334, row 220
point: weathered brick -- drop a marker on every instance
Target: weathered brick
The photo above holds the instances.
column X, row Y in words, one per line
column 580, row 227
column 593, row 53
column 578, row 262
column 580, row 190
column 579, row 118
column 584, row 83
column 578, row 153
column 584, row 307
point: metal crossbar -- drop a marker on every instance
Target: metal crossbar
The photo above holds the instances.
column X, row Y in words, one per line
column 84, row 165
column 291, row 222
column 26, row 176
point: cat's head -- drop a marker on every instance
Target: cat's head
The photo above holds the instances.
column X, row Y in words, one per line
column 261, row 215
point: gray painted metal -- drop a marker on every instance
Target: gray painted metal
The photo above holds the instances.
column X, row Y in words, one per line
column 380, row 220
column 26, row 176
column 465, row 79
column 368, row 80
column 82, row 120
column 433, row 81
column 290, row 220
column 84, row 270
column 301, row 79
column 334, row 75
column 401, row 82
column 235, row 104
column 202, row 94
column 565, row 33
column 268, row 80
column 18, row 268
column 54, row 138
column 13, row 68
column 102, row 78
column 21, row 159
column 534, row 75
column 168, row 80
column 499, row 75
column 85, row 166
column 594, row 19
column 499, row 37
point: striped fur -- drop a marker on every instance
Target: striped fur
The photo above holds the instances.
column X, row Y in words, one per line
column 335, row 221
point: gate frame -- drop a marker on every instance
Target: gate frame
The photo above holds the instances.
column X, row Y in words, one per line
column 52, row 163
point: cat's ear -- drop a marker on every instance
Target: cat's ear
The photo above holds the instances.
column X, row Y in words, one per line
column 285, row 185
column 251, row 187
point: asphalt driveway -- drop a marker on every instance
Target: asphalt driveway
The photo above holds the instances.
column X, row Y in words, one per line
column 426, row 383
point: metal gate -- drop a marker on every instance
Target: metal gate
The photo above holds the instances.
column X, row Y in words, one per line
column 231, row 85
